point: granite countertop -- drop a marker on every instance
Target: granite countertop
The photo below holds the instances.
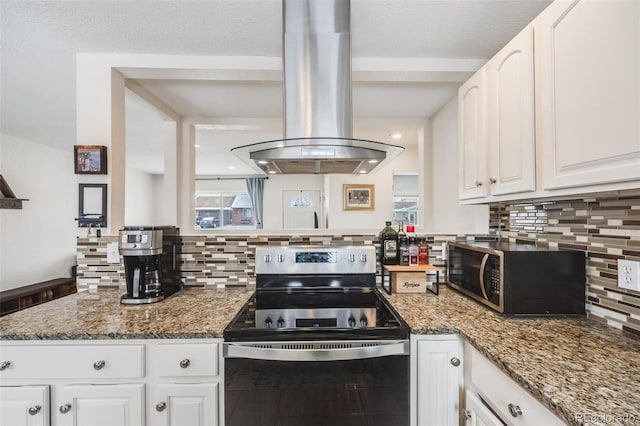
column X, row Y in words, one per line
column 97, row 314
column 574, row 366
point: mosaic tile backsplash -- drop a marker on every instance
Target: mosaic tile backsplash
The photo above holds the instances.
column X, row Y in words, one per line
column 605, row 226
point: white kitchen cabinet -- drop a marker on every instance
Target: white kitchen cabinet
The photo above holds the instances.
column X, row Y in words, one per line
column 588, row 78
column 477, row 414
column 93, row 405
column 185, row 404
column 24, row 405
column 436, row 380
column 472, row 163
column 510, row 117
column 509, row 401
column 496, row 124
column 112, row 382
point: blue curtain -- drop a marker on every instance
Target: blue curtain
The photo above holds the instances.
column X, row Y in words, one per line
column 255, row 188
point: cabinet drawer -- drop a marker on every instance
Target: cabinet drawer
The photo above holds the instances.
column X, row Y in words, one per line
column 72, row 361
column 500, row 392
column 187, row 360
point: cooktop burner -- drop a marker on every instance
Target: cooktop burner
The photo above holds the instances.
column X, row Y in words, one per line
column 329, row 294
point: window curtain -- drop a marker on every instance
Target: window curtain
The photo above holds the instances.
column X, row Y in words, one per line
column 255, row 188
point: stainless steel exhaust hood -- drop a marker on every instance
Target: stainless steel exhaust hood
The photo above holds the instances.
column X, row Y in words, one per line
column 317, row 86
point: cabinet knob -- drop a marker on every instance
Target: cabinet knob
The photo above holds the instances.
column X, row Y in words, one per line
column 514, row 410
column 478, row 183
column 99, row 365
column 492, row 181
column 455, row 361
column 4, row 365
column 185, row 363
column 34, row 409
column 64, row 409
column 466, row 414
column 160, row 406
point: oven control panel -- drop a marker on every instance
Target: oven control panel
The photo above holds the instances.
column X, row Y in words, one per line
column 315, row 260
column 316, row 318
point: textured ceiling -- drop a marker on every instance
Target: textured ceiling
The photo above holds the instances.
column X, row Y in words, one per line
column 39, row 41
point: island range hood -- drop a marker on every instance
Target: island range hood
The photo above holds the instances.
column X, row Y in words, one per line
column 317, row 95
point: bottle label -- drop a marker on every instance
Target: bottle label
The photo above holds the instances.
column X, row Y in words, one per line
column 390, row 249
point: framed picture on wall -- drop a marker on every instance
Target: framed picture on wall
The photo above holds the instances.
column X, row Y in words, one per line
column 358, row 197
column 90, row 159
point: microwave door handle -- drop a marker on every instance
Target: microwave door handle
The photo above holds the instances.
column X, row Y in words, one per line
column 483, row 265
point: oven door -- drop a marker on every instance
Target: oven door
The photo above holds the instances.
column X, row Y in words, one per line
column 317, row 383
column 477, row 273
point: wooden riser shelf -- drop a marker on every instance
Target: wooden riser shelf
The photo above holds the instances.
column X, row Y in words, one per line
column 20, row 298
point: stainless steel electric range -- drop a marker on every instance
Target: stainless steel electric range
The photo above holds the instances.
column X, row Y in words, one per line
column 317, row 326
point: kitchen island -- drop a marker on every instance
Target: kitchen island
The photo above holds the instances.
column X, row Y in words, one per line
column 573, row 366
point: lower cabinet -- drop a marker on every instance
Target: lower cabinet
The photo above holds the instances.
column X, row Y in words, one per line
column 184, row 404
column 88, row 383
column 24, row 405
column 90, row 405
column 492, row 395
column 436, row 380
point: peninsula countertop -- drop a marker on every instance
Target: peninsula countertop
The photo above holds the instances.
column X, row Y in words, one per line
column 574, row 366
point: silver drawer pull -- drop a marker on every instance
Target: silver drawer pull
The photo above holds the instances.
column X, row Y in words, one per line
column 455, row 361
column 34, row 409
column 160, row 406
column 64, row 409
column 514, row 410
column 185, row 363
column 4, row 365
column 99, row 365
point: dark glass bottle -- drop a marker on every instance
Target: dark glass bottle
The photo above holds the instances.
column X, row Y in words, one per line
column 389, row 245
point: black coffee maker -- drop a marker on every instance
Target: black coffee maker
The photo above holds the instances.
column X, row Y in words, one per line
column 151, row 256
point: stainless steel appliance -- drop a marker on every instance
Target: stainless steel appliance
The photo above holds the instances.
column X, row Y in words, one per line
column 519, row 279
column 151, row 262
column 315, row 329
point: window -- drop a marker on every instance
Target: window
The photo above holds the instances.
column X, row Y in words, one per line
column 224, row 210
column 405, row 198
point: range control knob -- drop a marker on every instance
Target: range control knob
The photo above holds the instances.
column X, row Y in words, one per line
column 351, row 321
column 363, row 321
column 281, row 258
column 280, row 323
column 267, row 258
column 268, row 322
column 363, row 258
column 352, row 257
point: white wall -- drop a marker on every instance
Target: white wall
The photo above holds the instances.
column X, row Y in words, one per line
column 447, row 215
column 140, row 199
column 273, row 188
column 38, row 242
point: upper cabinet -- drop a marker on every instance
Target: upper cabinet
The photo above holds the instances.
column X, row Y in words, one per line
column 589, row 92
column 562, row 98
column 496, row 124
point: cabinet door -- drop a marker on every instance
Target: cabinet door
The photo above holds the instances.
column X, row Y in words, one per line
column 476, row 414
column 436, row 382
column 184, row 405
column 511, row 117
column 24, row 405
column 100, row 405
column 472, row 137
column 589, row 91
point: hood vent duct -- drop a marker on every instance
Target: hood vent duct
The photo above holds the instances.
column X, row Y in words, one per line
column 317, row 86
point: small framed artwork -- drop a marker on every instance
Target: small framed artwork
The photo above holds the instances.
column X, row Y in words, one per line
column 358, row 197
column 90, row 159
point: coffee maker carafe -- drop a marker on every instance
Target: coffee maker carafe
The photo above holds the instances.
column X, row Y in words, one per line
column 151, row 263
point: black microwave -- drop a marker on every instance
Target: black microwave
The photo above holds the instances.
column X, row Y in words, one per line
column 519, row 279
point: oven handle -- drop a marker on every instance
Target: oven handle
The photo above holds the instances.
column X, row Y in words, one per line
column 250, row 351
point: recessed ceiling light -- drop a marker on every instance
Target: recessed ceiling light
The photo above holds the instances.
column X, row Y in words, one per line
column 396, row 135
column 272, row 172
column 262, row 162
column 363, row 171
column 231, row 167
column 372, row 161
